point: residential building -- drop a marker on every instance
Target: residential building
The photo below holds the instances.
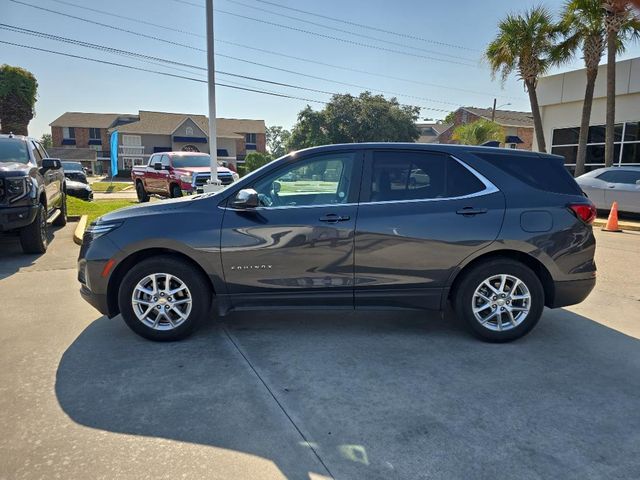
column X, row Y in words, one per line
column 86, row 156
column 149, row 132
column 430, row 132
column 561, row 99
column 518, row 126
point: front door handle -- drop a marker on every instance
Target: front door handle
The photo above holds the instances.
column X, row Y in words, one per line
column 333, row 218
column 470, row 211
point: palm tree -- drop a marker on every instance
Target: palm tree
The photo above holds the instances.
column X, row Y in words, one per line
column 478, row 132
column 18, row 91
column 583, row 24
column 526, row 43
column 621, row 24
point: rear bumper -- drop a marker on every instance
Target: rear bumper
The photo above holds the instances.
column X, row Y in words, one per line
column 571, row 292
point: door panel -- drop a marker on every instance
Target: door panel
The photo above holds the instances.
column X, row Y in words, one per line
column 627, row 196
column 300, row 240
column 405, row 250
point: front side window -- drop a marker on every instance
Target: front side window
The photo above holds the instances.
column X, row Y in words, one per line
column 165, row 161
column 398, row 176
column 36, row 153
column 322, row 180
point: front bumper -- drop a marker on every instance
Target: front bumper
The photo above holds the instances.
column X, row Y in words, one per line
column 571, row 292
column 16, row 217
column 97, row 301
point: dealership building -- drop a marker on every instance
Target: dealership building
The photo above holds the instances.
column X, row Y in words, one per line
column 561, row 97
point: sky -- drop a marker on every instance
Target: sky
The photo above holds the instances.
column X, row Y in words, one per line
column 434, row 57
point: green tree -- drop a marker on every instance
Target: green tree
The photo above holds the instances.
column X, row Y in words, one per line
column 277, row 140
column 46, row 140
column 255, row 160
column 349, row 119
column 526, row 43
column 450, row 118
column 18, row 91
column 478, row 132
column 620, row 24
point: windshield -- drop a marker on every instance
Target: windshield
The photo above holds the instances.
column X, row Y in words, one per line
column 13, row 150
column 71, row 166
column 183, row 161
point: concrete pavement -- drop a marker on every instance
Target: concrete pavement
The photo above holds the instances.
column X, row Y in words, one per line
column 374, row 395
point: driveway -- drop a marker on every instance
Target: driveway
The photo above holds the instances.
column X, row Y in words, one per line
column 299, row 395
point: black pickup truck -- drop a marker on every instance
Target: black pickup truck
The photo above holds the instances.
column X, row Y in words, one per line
column 32, row 191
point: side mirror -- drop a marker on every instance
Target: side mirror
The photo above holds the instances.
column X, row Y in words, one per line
column 157, row 166
column 277, row 187
column 245, row 198
column 51, row 164
column 638, row 182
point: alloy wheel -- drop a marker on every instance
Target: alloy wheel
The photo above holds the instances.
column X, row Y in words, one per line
column 161, row 301
column 501, row 302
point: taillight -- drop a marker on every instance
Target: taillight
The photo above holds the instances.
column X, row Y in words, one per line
column 584, row 211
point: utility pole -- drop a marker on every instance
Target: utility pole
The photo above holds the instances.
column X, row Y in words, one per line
column 493, row 111
column 211, row 76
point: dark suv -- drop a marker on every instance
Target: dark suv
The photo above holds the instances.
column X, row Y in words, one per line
column 499, row 233
column 32, row 191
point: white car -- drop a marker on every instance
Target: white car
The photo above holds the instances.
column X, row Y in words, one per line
column 603, row 186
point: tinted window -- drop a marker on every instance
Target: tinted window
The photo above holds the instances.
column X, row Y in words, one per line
column 631, row 153
column 72, row 166
column 402, row 175
column 566, row 136
column 620, row 176
column 164, row 161
column 181, row 161
column 541, row 172
column 13, row 150
column 36, row 153
column 569, row 153
column 320, row 180
column 597, row 133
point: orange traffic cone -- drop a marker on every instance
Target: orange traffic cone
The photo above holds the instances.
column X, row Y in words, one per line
column 612, row 221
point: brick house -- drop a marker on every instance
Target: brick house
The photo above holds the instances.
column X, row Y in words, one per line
column 518, row 126
column 430, row 132
column 149, row 132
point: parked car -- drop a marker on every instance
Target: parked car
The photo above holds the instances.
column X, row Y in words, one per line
column 604, row 186
column 75, row 171
column 170, row 174
column 499, row 233
column 32, row 191
column 79, row 190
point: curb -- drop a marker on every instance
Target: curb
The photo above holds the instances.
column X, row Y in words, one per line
column 79, row 231
column 629, row 226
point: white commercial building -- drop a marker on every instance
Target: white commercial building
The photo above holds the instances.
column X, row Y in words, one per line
column 561, row 97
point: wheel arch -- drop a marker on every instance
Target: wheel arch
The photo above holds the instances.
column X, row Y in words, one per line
column 125, row 264
column 533, row 263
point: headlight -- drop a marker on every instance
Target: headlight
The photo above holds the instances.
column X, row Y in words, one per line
column 186, row 178
column 16, row 188
column 96, row 230
column 235, row 176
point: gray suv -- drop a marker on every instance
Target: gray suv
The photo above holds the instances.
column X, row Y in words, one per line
column 499, row 234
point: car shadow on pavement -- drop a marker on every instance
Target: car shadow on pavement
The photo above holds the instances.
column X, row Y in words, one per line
column 375, row 394
column 12, row 259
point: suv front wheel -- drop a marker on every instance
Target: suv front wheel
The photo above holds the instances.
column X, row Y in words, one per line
column 164, row 299
column 34, row 237
column 500, row 300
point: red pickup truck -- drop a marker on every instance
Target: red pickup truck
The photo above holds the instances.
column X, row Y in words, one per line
column 170, row 174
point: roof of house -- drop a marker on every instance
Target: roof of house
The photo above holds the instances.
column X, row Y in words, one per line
column 85, row 120
column 75, row 154
column 507, row 118
column 438, row 127
column 165, row 123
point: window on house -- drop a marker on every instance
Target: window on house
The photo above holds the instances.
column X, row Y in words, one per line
column 68, row 132
column 94, row 134
column 250, row 138
column 188, row 131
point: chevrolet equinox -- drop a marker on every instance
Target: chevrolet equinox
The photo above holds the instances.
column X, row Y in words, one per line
column 498, row 233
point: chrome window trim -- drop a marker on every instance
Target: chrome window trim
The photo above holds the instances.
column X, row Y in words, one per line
column 489, row 188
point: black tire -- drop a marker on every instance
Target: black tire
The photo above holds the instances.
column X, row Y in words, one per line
column 34, row 237
column 143, row 196
column 196, row 283
column 61, row 220
column 463, row 300
column 175, row 191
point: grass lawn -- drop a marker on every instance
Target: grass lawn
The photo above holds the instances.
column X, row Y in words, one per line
column 107, row 187
column 95, row 209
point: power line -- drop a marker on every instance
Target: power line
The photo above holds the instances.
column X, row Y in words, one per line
column 105, row 62
column 347, row 22
column 350, row 32
column 271, row 52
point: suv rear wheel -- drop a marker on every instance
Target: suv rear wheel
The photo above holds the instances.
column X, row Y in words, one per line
column 500, row 300
column 33, row 237
column 164, row 299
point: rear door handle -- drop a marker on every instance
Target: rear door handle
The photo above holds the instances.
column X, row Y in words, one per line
column 333, row 218
column 470, row 211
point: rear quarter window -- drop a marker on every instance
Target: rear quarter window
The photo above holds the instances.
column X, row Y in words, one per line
column 540, row 172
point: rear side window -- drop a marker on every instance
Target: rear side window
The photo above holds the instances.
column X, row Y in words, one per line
column 620, row 176
column 398, row 175
column 540, row 172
